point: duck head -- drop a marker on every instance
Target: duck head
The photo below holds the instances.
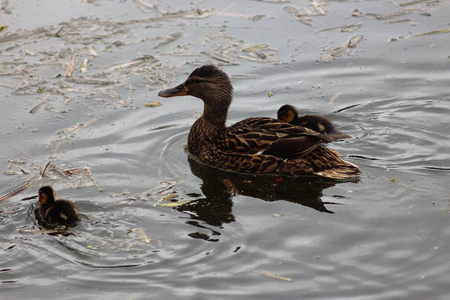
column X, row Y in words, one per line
column 46, row 195
column 211, row 85
column 287, row 113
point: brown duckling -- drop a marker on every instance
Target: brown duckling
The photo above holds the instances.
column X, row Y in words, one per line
column 289, row 114
column 254, row 145
column 56, row 212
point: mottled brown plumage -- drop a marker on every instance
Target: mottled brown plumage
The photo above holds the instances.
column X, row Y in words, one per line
column 56, row 212
column 254, row 145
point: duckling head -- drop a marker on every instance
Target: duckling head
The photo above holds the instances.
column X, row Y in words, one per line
column 46, row 195
column 287, row 113
column 208, row 83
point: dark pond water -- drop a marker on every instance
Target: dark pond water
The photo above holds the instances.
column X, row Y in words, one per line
column 157, row 225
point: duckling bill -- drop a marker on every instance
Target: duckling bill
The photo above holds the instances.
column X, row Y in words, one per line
column 56, row 212
column 254, row 145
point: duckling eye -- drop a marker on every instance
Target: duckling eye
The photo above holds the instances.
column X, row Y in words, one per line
column 197, row 80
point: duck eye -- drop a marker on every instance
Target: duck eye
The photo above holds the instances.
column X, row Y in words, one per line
column 197, row 80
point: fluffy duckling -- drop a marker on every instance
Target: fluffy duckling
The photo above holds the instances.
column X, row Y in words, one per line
column 56, row 212
column 289, row 114
column 254, row 145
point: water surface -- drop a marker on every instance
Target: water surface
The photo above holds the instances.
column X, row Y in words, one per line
column 383, row 237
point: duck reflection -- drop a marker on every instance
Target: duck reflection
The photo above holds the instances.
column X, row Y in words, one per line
column 220, row 186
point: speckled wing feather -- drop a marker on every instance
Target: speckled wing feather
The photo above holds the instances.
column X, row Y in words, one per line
column 271, row 136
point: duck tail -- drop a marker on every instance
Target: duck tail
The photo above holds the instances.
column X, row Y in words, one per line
column 345, row 171
column 335, row 167
column 338, row 136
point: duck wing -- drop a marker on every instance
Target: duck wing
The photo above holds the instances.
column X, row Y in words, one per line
column 271, row 136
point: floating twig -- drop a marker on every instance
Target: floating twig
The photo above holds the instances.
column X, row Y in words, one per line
column 334, row 98
column 255, row 48
column 169, row 39
column 390, row 15
column 338, row 51
column 21, row 188
column 70, row 68
column 299, row 14
column 153, row 104
column 343, row 28
column 83, row 68
column 33, row 110
column 412, row 2
column 84, row 80
column 271, row 275
column 220, row 57
column 445, row 30
column 134, row 62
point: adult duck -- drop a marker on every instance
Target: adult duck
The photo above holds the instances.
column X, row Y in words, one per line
column 56, row 212
column 254, row 145
column 289, row 114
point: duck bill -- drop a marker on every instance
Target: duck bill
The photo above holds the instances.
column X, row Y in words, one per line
column 179, row 90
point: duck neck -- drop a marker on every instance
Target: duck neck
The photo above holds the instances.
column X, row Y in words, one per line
column 215, row 117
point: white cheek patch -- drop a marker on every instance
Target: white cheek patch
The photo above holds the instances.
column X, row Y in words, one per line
column 63, row 216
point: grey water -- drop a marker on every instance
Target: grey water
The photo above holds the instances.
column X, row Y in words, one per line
column 156, row 224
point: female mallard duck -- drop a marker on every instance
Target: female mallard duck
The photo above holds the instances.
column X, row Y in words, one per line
column 289, row 114
column 56, row 212
column 254, row 145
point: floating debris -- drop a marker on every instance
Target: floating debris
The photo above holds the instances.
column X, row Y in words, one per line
column 83, row 67
column 338, row 51
column 437, row 168
column 114, row 95
column 174, row 203
column 343, row 28
column 145, row 6
column 271, row 275
column 299, row 14
column 70, row 68
column 392, row 179
column 134, row 62
column 354, row 41
column 169, row 197
column 90, row 81
column 412, row 2
column 173, row 37
column 390, row 15
column 334, row 98
column 445, row 30
column 34, row 109
column 142, row 235
column 220, row 57
column 20, row 189
column 397, row 21
column 153, row 104
column 75, row 128
column 356, row 13
column 320, row 8
column 255, row 48
column 245, row 76
column 159, row 192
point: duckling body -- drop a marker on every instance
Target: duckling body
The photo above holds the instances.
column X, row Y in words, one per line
column 56, row 212
column 289, row 114
column 254, row 145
